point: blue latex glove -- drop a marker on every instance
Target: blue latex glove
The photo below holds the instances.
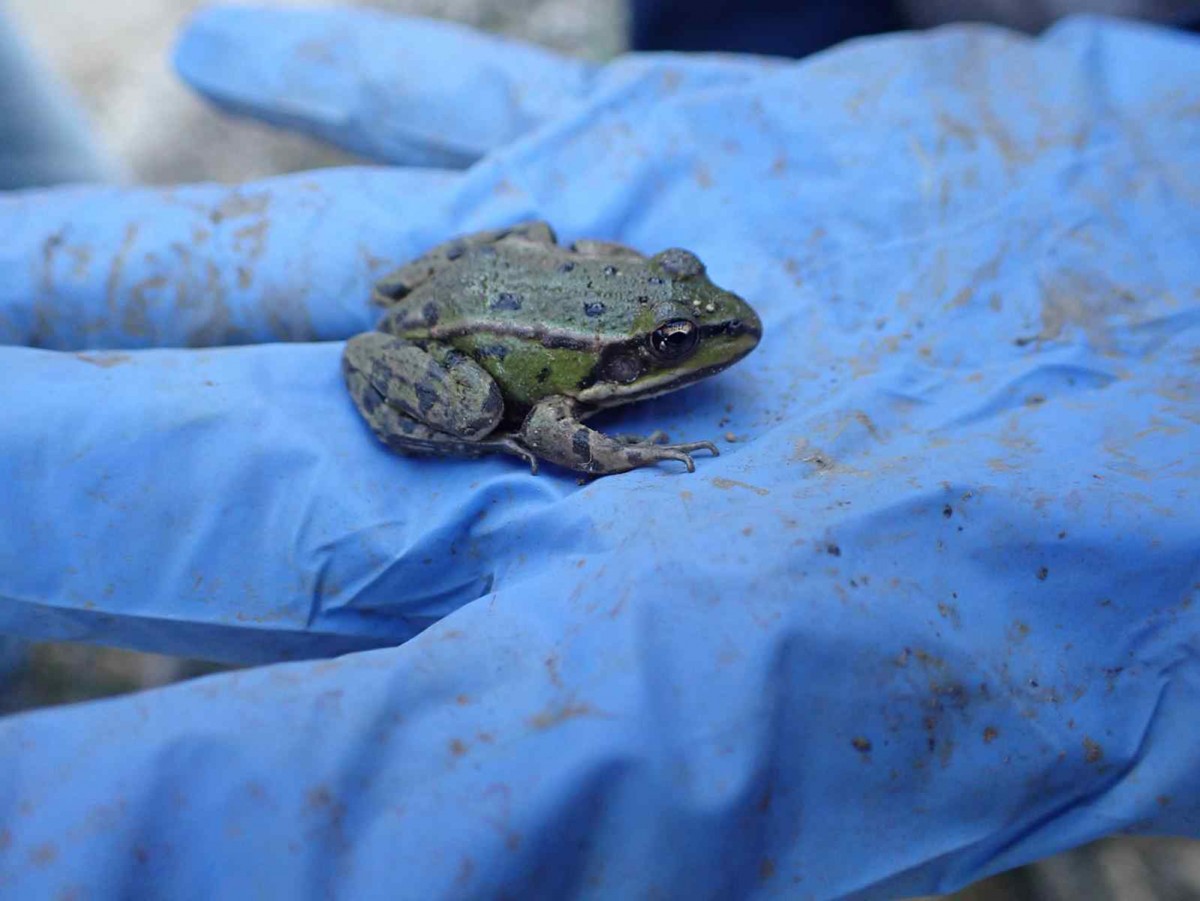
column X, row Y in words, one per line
column 931, row 616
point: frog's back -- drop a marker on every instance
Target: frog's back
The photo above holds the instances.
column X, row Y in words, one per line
column 536, row 317
column 530, row 285
column 524, row 282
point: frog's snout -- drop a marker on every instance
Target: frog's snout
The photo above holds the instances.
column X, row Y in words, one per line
column 745, row 326
column 748, row 324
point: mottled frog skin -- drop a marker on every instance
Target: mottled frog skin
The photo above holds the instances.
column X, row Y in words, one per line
column 504, row 342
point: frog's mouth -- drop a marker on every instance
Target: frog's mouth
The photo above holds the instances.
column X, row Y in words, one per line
column 628, row 372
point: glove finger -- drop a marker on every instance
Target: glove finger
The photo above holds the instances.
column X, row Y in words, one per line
column 289, row 258
column 401, row 90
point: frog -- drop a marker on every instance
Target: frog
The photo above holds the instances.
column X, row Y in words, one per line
column 504, row 341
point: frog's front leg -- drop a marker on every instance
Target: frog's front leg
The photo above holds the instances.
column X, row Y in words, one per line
column 553, row 431
column 426, row 398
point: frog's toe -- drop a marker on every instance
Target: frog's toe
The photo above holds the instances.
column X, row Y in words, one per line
column 512, row 446
column 683, row 452
column 694, row 446
column 670, row 453
column 649, row 452
column 528, row 458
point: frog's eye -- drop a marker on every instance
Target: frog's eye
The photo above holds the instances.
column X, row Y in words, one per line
column 674, row 339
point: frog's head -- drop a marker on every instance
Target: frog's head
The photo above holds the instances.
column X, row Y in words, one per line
column 688, row 333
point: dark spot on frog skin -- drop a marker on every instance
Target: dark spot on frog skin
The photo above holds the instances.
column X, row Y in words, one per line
column 371, row 400
column 426, row 397
column 833, row 550
column 492, row 351
column 430, row 312
column 580, row 445
column 947, row 511
column 635, row 457
column 493, row 404
column 393, row 290
column 407, row 427
column 566, row 267
column 610, row 270
column 680, row 263
column 862, row 745
column 593, row 308
column 654, row 280
column 1042, row 573
column 543, row 374
column 455, row 250
column 506, row 300
column 642, row 298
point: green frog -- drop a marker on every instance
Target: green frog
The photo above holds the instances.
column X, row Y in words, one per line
column 505, row 341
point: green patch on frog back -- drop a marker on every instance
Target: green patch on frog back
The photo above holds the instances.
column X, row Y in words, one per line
column 525, row 369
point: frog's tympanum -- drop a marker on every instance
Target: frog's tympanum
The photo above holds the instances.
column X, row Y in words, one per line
column 504, row 342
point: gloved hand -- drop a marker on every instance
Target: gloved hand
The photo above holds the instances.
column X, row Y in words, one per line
column 930, row 616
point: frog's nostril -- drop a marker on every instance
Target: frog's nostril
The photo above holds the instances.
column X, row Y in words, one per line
column 751, row 325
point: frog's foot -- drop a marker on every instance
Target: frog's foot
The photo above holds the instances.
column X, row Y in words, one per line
column 681, row 452
column 552, row 431
column 691, row 447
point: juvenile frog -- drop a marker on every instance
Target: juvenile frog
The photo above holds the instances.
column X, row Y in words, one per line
column 504, row 342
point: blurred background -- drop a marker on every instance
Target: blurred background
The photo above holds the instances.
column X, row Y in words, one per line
column 115, row 54
column 112, row 59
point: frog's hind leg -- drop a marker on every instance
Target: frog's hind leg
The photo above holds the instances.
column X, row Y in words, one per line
column 429, row 382
column 405, row 435
column 425, row 400
column 397, row 284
